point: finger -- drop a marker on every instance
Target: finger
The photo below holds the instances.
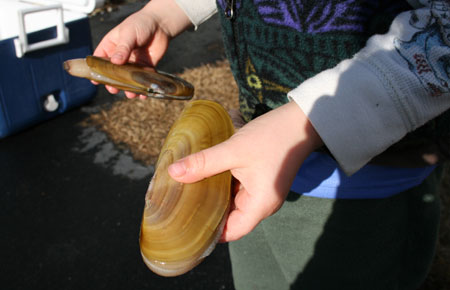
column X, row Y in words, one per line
column 205, row 163
column 106, row 46
column 101, row 49
column 142, row 97
column 111, row 89
column 121, row 53
column 236, row 186
column 130, row 95
column 158, row 48
column 237, row 226
column 248, row 212
column 125, row 45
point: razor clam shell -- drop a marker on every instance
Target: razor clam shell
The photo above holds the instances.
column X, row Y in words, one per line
column 131, row 77
column 182, row 222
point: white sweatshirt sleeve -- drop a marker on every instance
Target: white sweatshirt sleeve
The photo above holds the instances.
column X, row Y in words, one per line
column 398, row 82
column 198, row 11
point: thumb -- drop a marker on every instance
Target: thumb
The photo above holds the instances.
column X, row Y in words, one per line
column 202, row 164
column 126, row 41
column 122, row 52
column 249, row 210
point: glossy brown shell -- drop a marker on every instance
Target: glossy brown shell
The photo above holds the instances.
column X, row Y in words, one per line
column 131, row 77
column 182, row 222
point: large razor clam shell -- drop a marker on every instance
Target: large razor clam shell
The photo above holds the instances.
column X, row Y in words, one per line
column 131, row 77
column 182, row 222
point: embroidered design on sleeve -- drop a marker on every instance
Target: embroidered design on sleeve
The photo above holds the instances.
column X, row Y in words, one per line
column 428, row 51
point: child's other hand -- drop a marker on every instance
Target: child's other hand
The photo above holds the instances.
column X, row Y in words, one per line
column 144, row 36
column 264, row 156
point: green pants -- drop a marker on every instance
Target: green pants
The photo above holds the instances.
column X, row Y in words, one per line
column 313, row 243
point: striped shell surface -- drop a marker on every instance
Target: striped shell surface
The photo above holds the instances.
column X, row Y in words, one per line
column 131, row 77
column 182, row 222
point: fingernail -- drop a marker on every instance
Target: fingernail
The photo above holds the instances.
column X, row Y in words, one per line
column 117, row 57
column 177, row 169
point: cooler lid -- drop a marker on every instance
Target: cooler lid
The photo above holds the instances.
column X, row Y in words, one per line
column 83, row 6
column 10, row 16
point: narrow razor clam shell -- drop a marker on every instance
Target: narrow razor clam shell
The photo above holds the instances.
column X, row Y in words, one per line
column 79, row 68
column 147, row 80
column 131, row 77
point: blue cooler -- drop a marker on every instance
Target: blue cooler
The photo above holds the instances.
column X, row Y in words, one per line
column 35, row 39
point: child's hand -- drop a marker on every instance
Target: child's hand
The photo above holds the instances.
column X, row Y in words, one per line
column 264, row 156
column 144, row 36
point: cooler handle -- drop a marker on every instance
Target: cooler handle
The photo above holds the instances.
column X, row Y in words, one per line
column 62, row 32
